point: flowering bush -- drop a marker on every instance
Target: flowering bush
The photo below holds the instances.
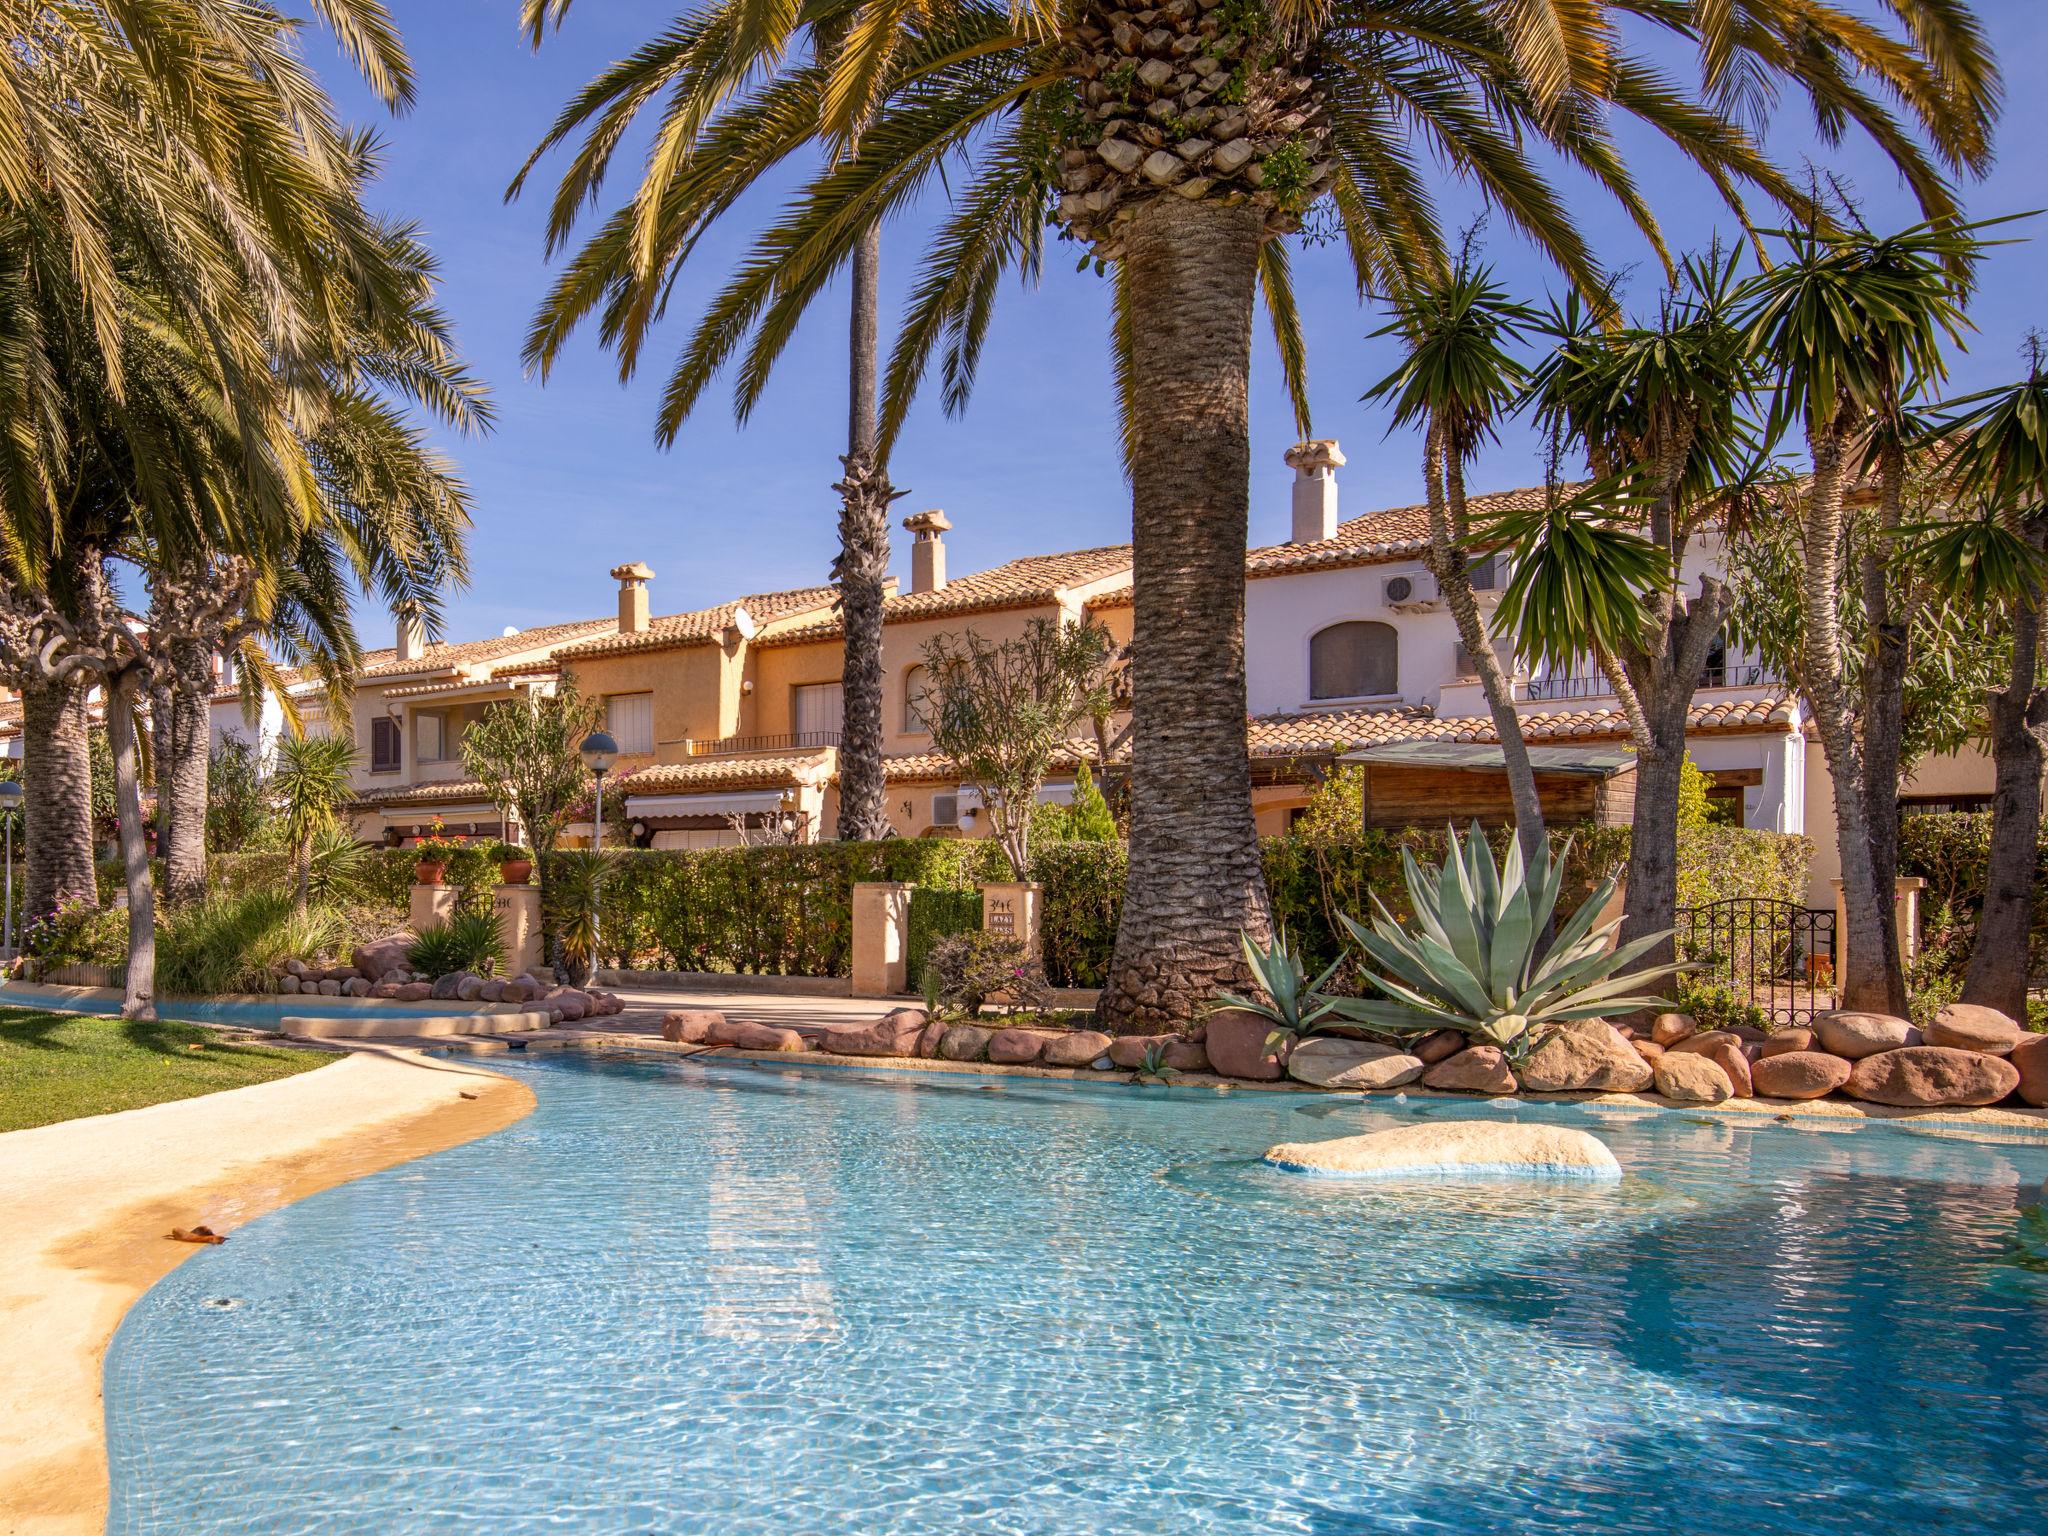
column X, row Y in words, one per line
column 438, row 845
column 78, row 933
column 965, row 970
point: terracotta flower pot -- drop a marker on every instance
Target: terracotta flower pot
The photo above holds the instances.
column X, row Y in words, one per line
column 429, row 871
column 516, row 871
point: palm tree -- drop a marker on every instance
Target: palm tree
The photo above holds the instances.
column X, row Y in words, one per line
column 1179, row 154
column 1456, row 382
column 310, row 779
column 2001, row 459
column 1849, row 327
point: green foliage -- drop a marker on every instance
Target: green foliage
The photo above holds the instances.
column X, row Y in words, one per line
column 1087, row 820
column 469, row 942
column 77, row 934
column 936, row 914
column 1716, row 1005
column 1935, row 978
column 1716, row 862
column 1336, row 810
column 967, row 970
column 574, row 899
column 233, row 943
column 339, row 867
column 1078, row 912
column 1694, row 809
column 1952, row 852
column 237, row 801
column 526, row 753
column 1290, row 1000
column 1289, row 174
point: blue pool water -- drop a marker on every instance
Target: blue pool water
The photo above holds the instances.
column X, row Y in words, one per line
column 688, row 1297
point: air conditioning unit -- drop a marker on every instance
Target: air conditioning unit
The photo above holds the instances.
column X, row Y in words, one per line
column 946, row 810
column 1411, row 593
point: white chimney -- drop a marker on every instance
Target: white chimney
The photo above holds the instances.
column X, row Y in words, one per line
column 632, row 580
column 412, row 636
column 928, row 553
column 1315, row 489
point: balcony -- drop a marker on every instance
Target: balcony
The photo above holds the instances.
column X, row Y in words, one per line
column 742, row 746
column 1594, row 685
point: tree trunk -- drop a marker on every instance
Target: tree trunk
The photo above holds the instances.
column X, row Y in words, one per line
column 1650, row 904
column 1997, row 976
column 1862, row 982
column 138, row 998
column 1883, row 718
column 1195, row 879
column 181, row 794
column 57, row 797
column 162, row 750
column 862, row 566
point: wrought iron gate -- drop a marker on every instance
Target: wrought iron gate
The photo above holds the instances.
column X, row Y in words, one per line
column 1777, row 953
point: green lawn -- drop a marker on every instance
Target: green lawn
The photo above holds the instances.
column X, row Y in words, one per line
column 59, row 1066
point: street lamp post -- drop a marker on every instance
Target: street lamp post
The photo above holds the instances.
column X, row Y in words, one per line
column 10, row 802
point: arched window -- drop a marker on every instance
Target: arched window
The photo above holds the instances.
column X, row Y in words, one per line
column 915, row 681
column 1352, row 661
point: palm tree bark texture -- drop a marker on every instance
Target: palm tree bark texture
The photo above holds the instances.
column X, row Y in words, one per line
column 862, row 565
column 57, row 791
column 1882, row 715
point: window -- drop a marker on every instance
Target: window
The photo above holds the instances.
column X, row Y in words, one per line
column 1352, row 661
column 629, row 717
column 915, row 682
column 820, row 711
column 1485, row 573
column 1503, row 651
column 384, row 745
column 429, row 738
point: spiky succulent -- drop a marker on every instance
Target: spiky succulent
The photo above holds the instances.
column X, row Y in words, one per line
column 1475, row 960
column 1295, row 1004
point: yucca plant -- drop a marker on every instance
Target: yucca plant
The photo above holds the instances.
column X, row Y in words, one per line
column 1476, row 961
column 1295, row 1005
column 469, row 942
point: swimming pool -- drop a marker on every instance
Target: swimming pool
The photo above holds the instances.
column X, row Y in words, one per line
column 691, row 1297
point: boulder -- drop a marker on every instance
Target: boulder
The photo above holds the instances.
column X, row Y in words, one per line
column 1130, row 1051
column 2030, row 1059
column 1019, row 1047
column 746, row 1035
column 493, row 991
column 328, row 988
column 1477, row 1069
column 382, row 956
column 1924, row 1076
column 1075, row 1049
column 1686, row 1077
column 1649, row 1050
column 471, row 988
column 1783, row 1042
column 1586, row 1055
column 1732, row 1057
column 571, row 1004
column 288, row 984
column 296, row 969
column 413, row 992
column 1749, row 1034
column 1236, row 1043
column 1454, row 1149
column 444, row 986
column 1705, row 1040
column 1799, row 1075
column 896, row 1033
column 356, row 986
column 1438, row 1045
column 1972, row 1027
column 609, row 1003
column 1670, row 1028
column 1857, row 1035
column 689, row 1026
column 965, row 1042
column 1334, row 1062
column 1186, row 1056
column 515, row 992
column 929, row 1041
column 386, row 989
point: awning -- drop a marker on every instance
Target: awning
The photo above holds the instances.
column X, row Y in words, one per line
column 733, row 803
column 1479, row 757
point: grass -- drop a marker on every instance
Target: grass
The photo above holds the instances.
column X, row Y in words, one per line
column 60, row 1066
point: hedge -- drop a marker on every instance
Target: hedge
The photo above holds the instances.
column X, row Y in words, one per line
column 1952, row 852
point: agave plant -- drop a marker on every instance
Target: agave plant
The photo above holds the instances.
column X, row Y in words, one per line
column 1295, row 1005
column 1476, row 961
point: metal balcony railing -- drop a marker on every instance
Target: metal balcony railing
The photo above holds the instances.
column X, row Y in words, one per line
column 1594, row 685
column 794, row 741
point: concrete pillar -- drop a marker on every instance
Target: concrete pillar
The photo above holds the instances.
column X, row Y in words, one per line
column 432, row 906
column 1905, row 915
column 1012, row 907
column 518, row 911
column 881, row 938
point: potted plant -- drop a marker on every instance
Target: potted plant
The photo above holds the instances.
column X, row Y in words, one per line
column 515, row 864
column 433, row 851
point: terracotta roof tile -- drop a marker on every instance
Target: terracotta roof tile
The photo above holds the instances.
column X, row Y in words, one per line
column 471, row 652
column 776, row 770
column 1303, row 734
column 400, row 796
column 1034, row 579
column 936, row 767
column 1397, row 533
column 702, row 624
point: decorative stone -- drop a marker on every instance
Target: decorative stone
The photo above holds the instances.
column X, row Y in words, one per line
column 1438, row 1046
column 1784, row 1042
column 470, row 988
column 1857, row 1035
column 896, row 1033
column 2030, row 1059
column 1583, row 1057
column 746, row 1035
column 1457, row 1149
column 572, row 1004
column 1670, row 1028
column 1686, row 1077
column 493, row 991
column 296, row 969
column 1075, row 1049
column 965, row 1042
column 1732, row 1057
column 1186, row 1056
column 1799, row 1075
column 515, row 992
column 414, row 992
column 288, row 984
column 1924, row 1076
column 1972, row 1027
column 1130, row 1051
column 1236, row 1043
column 1649, row 1050
column 1019, row 1047
column 328, row 988
column 690, row 1026
column 356, row 986
column 928, row 1041
column 444, row 986
column 1477, row 1069
column 1330, row 1061
column 1706, row 1039
column 381, row 957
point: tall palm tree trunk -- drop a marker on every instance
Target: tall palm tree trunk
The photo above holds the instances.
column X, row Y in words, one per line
column 1650, row 902
column 181, row 794
column 57, row 795
column 1998, row 971
column 1195, row 878
column 138, row 997
column 1862, row 980
column 1883, row 715
column 863, row 564
column 162, row 733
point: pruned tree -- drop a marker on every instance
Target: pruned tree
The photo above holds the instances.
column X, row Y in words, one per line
column 1003, row 712
column 310, row 781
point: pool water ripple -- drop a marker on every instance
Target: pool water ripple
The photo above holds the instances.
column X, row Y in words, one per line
column 690, row 1297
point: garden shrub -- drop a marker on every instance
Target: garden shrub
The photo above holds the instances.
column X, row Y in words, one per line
column 468, row 942
column 1952, row 853
column 965, row 970
column 77, row 934
column 936, row 914
column 235, row 943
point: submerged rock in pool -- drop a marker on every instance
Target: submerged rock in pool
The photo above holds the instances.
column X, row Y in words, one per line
column 1454, row 1149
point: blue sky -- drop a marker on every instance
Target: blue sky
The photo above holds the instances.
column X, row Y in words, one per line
column 571, row 483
